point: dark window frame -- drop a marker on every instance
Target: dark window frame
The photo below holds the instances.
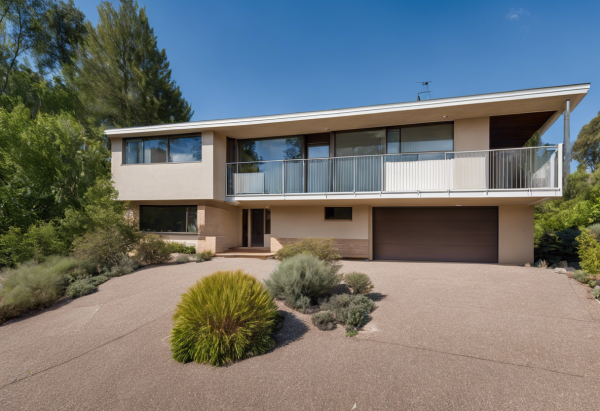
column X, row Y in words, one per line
column 125, row 160
column 187, row 211
column 332, row 215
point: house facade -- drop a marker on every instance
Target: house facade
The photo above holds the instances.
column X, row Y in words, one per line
column 436, row 180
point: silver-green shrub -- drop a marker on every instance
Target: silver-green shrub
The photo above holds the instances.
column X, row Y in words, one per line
column 351, row 310
column 358, row 283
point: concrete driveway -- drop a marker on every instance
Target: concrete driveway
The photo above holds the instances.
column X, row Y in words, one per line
column 445, row 337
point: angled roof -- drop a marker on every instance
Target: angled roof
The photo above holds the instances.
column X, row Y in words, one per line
column 445, row 109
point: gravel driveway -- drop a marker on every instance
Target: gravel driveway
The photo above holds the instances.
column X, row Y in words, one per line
column 444, row 337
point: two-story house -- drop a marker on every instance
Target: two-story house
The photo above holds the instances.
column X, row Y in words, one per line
column 436, row 180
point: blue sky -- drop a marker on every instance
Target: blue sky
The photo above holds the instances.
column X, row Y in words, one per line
column 249, row 58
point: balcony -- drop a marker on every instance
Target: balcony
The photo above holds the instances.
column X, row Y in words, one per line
column 531, row 171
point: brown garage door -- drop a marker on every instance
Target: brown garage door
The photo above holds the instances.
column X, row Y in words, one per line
column 467, row 234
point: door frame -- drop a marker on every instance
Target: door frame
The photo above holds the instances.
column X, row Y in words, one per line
column 262, row 229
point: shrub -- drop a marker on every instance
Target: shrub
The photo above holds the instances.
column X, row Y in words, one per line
column 38, row 241
column 34, row 285
column 541, row 264
column 105, row 247
column 359, row 283
column 596, row 293
column 558, row 246
column 182, row 259
column 124, row 266
column 152, row 249
column 80, row 288
column 581, row 276
column 224, row 317
column 595, row 229
column 589, row 252
column 205, row 255
column 351, row 310
column 302, row 279
column 323, row 320
column 322, row 248
column 181, row 248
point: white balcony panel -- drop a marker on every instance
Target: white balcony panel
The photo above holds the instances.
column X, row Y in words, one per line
column 469, row 171
column 416, row 175
column 249, row 183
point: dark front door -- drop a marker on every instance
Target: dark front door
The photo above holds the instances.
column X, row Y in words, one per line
column 461, row 234
column 258, row 227
column 244, row 228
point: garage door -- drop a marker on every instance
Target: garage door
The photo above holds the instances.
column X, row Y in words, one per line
column 466, row 234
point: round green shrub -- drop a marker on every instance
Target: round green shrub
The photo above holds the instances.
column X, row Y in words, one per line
column 152, row 249
column 351, row 310
column 323, row 320
column 79, row 288
column 302, row 279
column 225, row 317
column 359, row 283
column 182, row 259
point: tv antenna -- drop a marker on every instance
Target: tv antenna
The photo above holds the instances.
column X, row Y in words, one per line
column 426, row 85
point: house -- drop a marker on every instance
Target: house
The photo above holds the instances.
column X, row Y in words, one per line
column 436, row 180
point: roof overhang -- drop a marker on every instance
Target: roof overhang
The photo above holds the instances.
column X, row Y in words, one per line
column 416, row 112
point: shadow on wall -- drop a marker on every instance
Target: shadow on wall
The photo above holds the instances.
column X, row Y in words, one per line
column 293, row 329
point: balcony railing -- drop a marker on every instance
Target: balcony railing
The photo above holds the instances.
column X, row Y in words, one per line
column 507, row 169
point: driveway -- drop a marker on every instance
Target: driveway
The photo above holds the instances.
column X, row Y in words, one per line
column 444, row 337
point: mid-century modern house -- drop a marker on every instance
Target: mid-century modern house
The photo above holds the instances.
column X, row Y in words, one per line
column 436, row 180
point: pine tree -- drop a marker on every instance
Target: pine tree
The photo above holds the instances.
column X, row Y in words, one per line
column 123, row 79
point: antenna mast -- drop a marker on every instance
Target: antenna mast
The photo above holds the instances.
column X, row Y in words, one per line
column 426, row 85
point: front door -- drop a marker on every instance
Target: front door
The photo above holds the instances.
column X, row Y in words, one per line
column 257, row 227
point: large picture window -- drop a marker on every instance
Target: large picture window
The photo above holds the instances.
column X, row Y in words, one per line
column 163, row 150
column 359, row 143
column 285, row 148
column 419, row 139
column 169, row 219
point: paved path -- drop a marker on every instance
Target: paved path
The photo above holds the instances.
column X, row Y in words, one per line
column 445, row 337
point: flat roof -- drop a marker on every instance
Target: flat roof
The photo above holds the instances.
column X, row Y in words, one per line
column 414, row 112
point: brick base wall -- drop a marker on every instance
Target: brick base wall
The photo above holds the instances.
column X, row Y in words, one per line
column 347, row 248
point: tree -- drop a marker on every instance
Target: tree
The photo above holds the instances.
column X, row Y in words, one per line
column 121, row 74
column 586, row 149
column 46, row 31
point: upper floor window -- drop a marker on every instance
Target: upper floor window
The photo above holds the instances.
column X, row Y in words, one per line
column 268, row 149
column 359, row 143
column 418, row 139
column 163, row 149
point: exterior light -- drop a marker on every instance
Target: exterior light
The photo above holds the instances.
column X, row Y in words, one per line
column 445, row 116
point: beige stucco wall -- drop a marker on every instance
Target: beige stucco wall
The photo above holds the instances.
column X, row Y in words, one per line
column 472, row 134
column 294, row 221
column 172, row 181
column 220, row 228
column 515, row 234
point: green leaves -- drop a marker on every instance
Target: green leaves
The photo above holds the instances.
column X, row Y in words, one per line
column 586, row 149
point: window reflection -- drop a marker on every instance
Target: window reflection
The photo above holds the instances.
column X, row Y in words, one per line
column 185, row 149
column 271, row 149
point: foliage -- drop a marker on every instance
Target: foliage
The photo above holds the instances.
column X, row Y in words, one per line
column 541, row 264
column 581, row 276
column 182, row 259
column 181, row 248
column 45, row 31
column 323, row 320
column 80, row 288
column 33, row 285
column 558, row 246
column 105, row 247
column 124, row 265
column 152, row 249
column 589, row 252
column 596, row 293
column 351, row 310
column 302, row 278
column 595, row 229
column 359, row 283
column 224, row 317
column 586, row 149
column 121, row 74
column 205, row 255
column 321, row 248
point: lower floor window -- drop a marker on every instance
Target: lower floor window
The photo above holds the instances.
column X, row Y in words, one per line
column 338, row 213
column 169, row 219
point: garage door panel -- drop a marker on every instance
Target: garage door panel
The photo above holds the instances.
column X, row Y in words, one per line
column 426, row 239
column 457, row 234
column 458, row 228
column 437, row 214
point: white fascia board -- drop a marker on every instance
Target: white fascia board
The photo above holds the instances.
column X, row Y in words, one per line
column 385, row 108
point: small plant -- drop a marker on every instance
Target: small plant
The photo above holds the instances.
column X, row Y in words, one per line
column 358, row 283
column 581, row 276
column 105, row 248
column 125, row 265
column 181, row 248
column 322, row 248
column 152, row 249
column 205, row 255
column 224, row 317
column 351, row 310
column 595, row 229
column 302, row 280
column 596, row 293
column 589, row 252
column 542, row 264
column 80, row 288
column 34, row 286
column 323, row 320
column 182, row 259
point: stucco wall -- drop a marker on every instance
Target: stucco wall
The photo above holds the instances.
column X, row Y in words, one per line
column 515, row 234
column 472, row 134
column 221, row 228
column 168, row 181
